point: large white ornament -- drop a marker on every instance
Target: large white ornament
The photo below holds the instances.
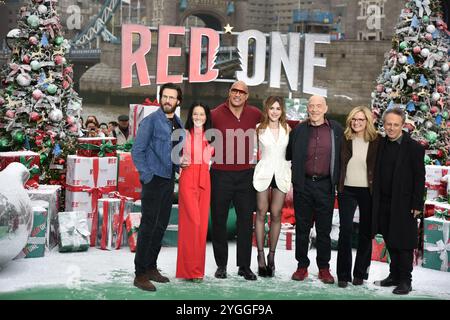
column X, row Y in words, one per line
column 431, row 28
column 23, row 79
column 444, row 67
column 42, row 9
column 16, row 214
column 56, row 115
column 435, row 96
column 425, row 52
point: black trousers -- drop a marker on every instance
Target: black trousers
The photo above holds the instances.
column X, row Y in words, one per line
column 236, row 186
column 348, row 200
column 316, row 201
column 401, row 265
column 156, row 200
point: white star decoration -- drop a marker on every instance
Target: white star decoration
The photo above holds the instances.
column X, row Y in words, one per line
column 228, row 28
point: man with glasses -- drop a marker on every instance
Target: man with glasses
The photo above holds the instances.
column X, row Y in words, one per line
column 151, row 154
column 232, row 176
column 398, row 189
column 314, row 150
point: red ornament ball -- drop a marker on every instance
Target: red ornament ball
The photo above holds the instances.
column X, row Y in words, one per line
column 58, row 59
column 439, row 154
column 415, row 97
column 441, row 89
column 434, row 109
column 26, row 59
column 417, row 50
column 33, row 41
column 10, row 114
column 65, row 85
column 34, row 116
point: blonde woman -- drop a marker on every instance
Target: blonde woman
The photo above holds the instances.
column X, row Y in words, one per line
column 271, row 179
column 358, row 155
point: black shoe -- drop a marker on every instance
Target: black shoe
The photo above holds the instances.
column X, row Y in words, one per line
column 246, row 273
column 402, row 288
column 221, row 273
column 388, row 282
column 262, row 270
column 342, row 284
column 357, row 281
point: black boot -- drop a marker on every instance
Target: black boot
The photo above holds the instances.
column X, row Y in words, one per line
column 388, row 282
column 262, row 268
column 271, row 263
column 403, row 288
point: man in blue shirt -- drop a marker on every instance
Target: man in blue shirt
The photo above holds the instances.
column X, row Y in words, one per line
column 151, row 155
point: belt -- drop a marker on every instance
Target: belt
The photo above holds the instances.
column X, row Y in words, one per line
column 317, row 178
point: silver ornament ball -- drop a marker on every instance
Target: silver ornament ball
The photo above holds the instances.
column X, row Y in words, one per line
column 56, row 115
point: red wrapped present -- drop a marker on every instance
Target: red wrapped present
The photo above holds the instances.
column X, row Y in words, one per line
column 29, row 159
column 132, row 223
column 128, row 178
column 379, row 250
column 97, row 147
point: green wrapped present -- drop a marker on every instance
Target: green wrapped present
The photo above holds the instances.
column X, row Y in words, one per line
column 35, row 247
column 170, row 238
column 436, row 254
column 442, row 211
column 73, row 231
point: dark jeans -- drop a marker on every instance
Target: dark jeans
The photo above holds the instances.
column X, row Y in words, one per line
column 156, row 199
column 401, row 265
column 348, row 199
column 316, row 201
column 236, row 186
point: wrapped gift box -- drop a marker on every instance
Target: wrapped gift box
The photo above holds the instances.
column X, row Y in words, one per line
column 73, row 231
column 52, row 195
column 97, row 147
column 286, row 240
column 170, row 238
column 442, row 210
column 132, row 223
column 128, row 177
column 379, row 250
column 110, row 223
column 433, row 181
column 140, row 111
column 35, row 246
column 87, row 179
column 29, row 159
column 436, row 247
column 137, row 206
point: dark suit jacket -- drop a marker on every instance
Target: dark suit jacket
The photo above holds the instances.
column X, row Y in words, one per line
column 298, row 148
column 408, row 189
column 346, row 155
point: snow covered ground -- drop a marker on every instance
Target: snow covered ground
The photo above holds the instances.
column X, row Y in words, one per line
column 74, row 271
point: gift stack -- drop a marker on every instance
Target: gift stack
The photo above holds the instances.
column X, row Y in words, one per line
column 52, row 195
column 73, row 231
column 29, row 159
column 96, row 147
column 87, row 180
column 436, row 240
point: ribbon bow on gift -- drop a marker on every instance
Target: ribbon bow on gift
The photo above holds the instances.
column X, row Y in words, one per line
column 423, row 5
column 76, row 227
column 442, row 249
column 399, row 78
column 126, row 147
column 103, row 149
column 148, row 102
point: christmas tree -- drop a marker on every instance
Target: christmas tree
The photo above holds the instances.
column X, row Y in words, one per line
column 39, row 110
column 415, row 77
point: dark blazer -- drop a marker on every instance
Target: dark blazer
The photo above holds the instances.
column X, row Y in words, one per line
column 298, row 148
column 408, row 189
column 346, row 155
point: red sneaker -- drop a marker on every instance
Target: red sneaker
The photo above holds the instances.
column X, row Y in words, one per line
column 300, row 274
column 325, row 276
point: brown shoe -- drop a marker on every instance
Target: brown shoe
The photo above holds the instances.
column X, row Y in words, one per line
column 143, row 283
column 154, row 275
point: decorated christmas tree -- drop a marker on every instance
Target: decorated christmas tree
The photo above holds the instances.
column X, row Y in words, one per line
column 415, row 77
column 39, row 109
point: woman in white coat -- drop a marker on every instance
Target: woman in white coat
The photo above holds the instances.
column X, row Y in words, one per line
column 272, row 178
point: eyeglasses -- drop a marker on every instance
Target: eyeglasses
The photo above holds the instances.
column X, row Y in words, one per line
column 168, row 97
column 358, row 120
column 236, row 91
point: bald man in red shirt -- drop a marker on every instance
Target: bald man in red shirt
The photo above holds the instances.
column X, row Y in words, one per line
column 232, row 176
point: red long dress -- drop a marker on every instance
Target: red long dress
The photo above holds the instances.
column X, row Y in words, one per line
column 193, row 205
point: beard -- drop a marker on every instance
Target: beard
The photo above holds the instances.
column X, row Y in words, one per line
column 169, row 108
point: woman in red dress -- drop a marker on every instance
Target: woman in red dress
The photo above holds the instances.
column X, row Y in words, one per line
column 194, row 195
